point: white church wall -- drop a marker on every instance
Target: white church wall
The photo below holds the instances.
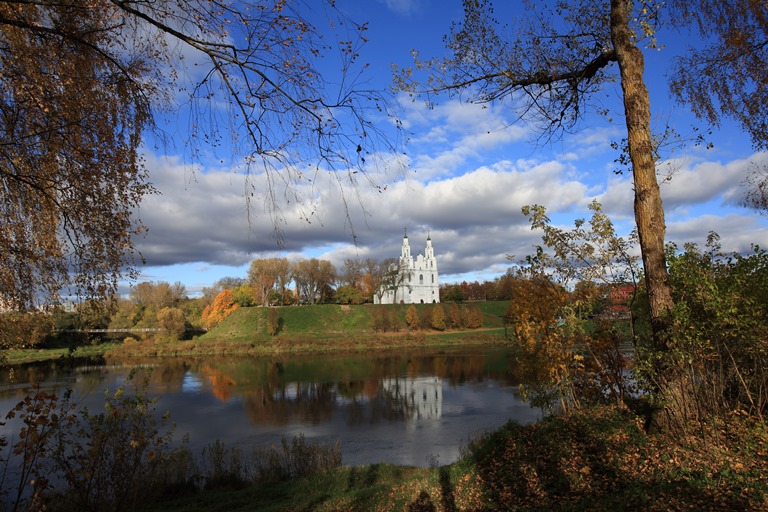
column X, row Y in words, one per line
column 418, row 278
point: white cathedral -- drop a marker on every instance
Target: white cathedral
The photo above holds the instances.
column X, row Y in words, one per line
column 411, row 282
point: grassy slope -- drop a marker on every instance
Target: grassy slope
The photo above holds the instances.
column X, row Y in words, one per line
column 318, row 328
column 328, row 323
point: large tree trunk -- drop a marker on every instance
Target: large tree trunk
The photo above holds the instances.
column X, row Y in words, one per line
column 649, row 213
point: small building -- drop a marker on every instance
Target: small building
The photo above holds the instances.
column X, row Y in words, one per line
column 411, row 281
column 619, row 297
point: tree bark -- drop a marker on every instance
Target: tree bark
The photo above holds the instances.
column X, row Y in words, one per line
column 649, row 213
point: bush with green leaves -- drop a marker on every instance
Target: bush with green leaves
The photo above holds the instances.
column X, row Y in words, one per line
column 719, row 351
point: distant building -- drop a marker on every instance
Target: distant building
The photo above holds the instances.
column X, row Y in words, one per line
column 411, row 281
column 619, row 297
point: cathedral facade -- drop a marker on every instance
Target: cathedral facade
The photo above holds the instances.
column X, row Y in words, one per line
column 411, row 281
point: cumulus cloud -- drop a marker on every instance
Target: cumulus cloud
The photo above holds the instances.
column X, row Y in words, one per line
column 465, row 188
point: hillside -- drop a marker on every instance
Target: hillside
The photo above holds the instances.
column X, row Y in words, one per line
column 334, row 322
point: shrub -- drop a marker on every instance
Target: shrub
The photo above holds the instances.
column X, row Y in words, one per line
column 295, row 459
column 719, row 353
column 437, row 318
column 412, row 317
column 71, row 459
column 172, row 322
column 273, row 322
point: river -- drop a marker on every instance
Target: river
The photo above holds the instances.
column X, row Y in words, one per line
column 415, row 407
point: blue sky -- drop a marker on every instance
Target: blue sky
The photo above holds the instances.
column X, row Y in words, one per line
column 471, row 169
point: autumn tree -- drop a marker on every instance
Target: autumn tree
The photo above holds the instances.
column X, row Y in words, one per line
column 349, row 295
column 173, row 322
column 262, row 280
column 472, row 317
column 223, row 306
column 313, row 277
column 224, row 283
column 75, row 101
column 370, row 281
column 24, row 330
column 244, row 296
column 83, row 81
column 437, row 318
column 352, row 272
column 454, row 315
column 412, row 317
column 546, row 320
column 451, row 293
column 726, row 75
column 158, row 294
column 392, row 275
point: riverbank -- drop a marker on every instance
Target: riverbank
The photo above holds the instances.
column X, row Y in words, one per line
column 597, row 459
column 222, row 347
column 314, row 329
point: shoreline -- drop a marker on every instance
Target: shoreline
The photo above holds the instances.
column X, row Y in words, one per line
column 223, row 347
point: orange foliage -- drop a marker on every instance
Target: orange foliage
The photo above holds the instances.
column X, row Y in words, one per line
column 223, row 306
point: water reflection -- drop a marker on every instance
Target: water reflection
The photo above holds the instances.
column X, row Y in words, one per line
column 404, row 408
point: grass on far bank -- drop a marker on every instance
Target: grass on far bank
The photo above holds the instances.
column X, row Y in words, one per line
column 303, row 329
column 315, row 329
column 597, row 459
column 31, row 355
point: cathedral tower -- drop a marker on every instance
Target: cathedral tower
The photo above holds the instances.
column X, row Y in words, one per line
column 411, row 281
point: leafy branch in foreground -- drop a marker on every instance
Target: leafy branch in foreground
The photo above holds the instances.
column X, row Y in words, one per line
column 84, row 81
column 568, row 366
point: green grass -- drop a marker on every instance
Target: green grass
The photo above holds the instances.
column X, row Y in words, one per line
column 304, row 329
column 21, row 356
column 316, row 329
column 331, row 322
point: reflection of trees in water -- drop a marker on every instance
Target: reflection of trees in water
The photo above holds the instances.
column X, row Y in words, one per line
column 309, row 389
column 167, row 376
column 220, row 383
column 309, row 402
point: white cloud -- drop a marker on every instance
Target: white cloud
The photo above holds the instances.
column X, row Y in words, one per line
column 404, row 7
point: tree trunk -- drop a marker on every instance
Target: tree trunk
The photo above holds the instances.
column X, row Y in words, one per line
column 649, row 213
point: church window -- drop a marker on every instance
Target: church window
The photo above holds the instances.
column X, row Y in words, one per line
column 421, row 278
column 433, row 278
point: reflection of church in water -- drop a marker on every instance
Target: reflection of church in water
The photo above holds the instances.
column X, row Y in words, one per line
column 419, row 397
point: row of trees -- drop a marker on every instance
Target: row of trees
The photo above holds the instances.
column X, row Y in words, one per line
column 318, row 281
column 437, row 317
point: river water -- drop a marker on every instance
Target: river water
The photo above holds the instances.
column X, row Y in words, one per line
column 413, row 407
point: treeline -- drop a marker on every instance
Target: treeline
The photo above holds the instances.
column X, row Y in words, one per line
column 438, row 317
column 498, row 289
